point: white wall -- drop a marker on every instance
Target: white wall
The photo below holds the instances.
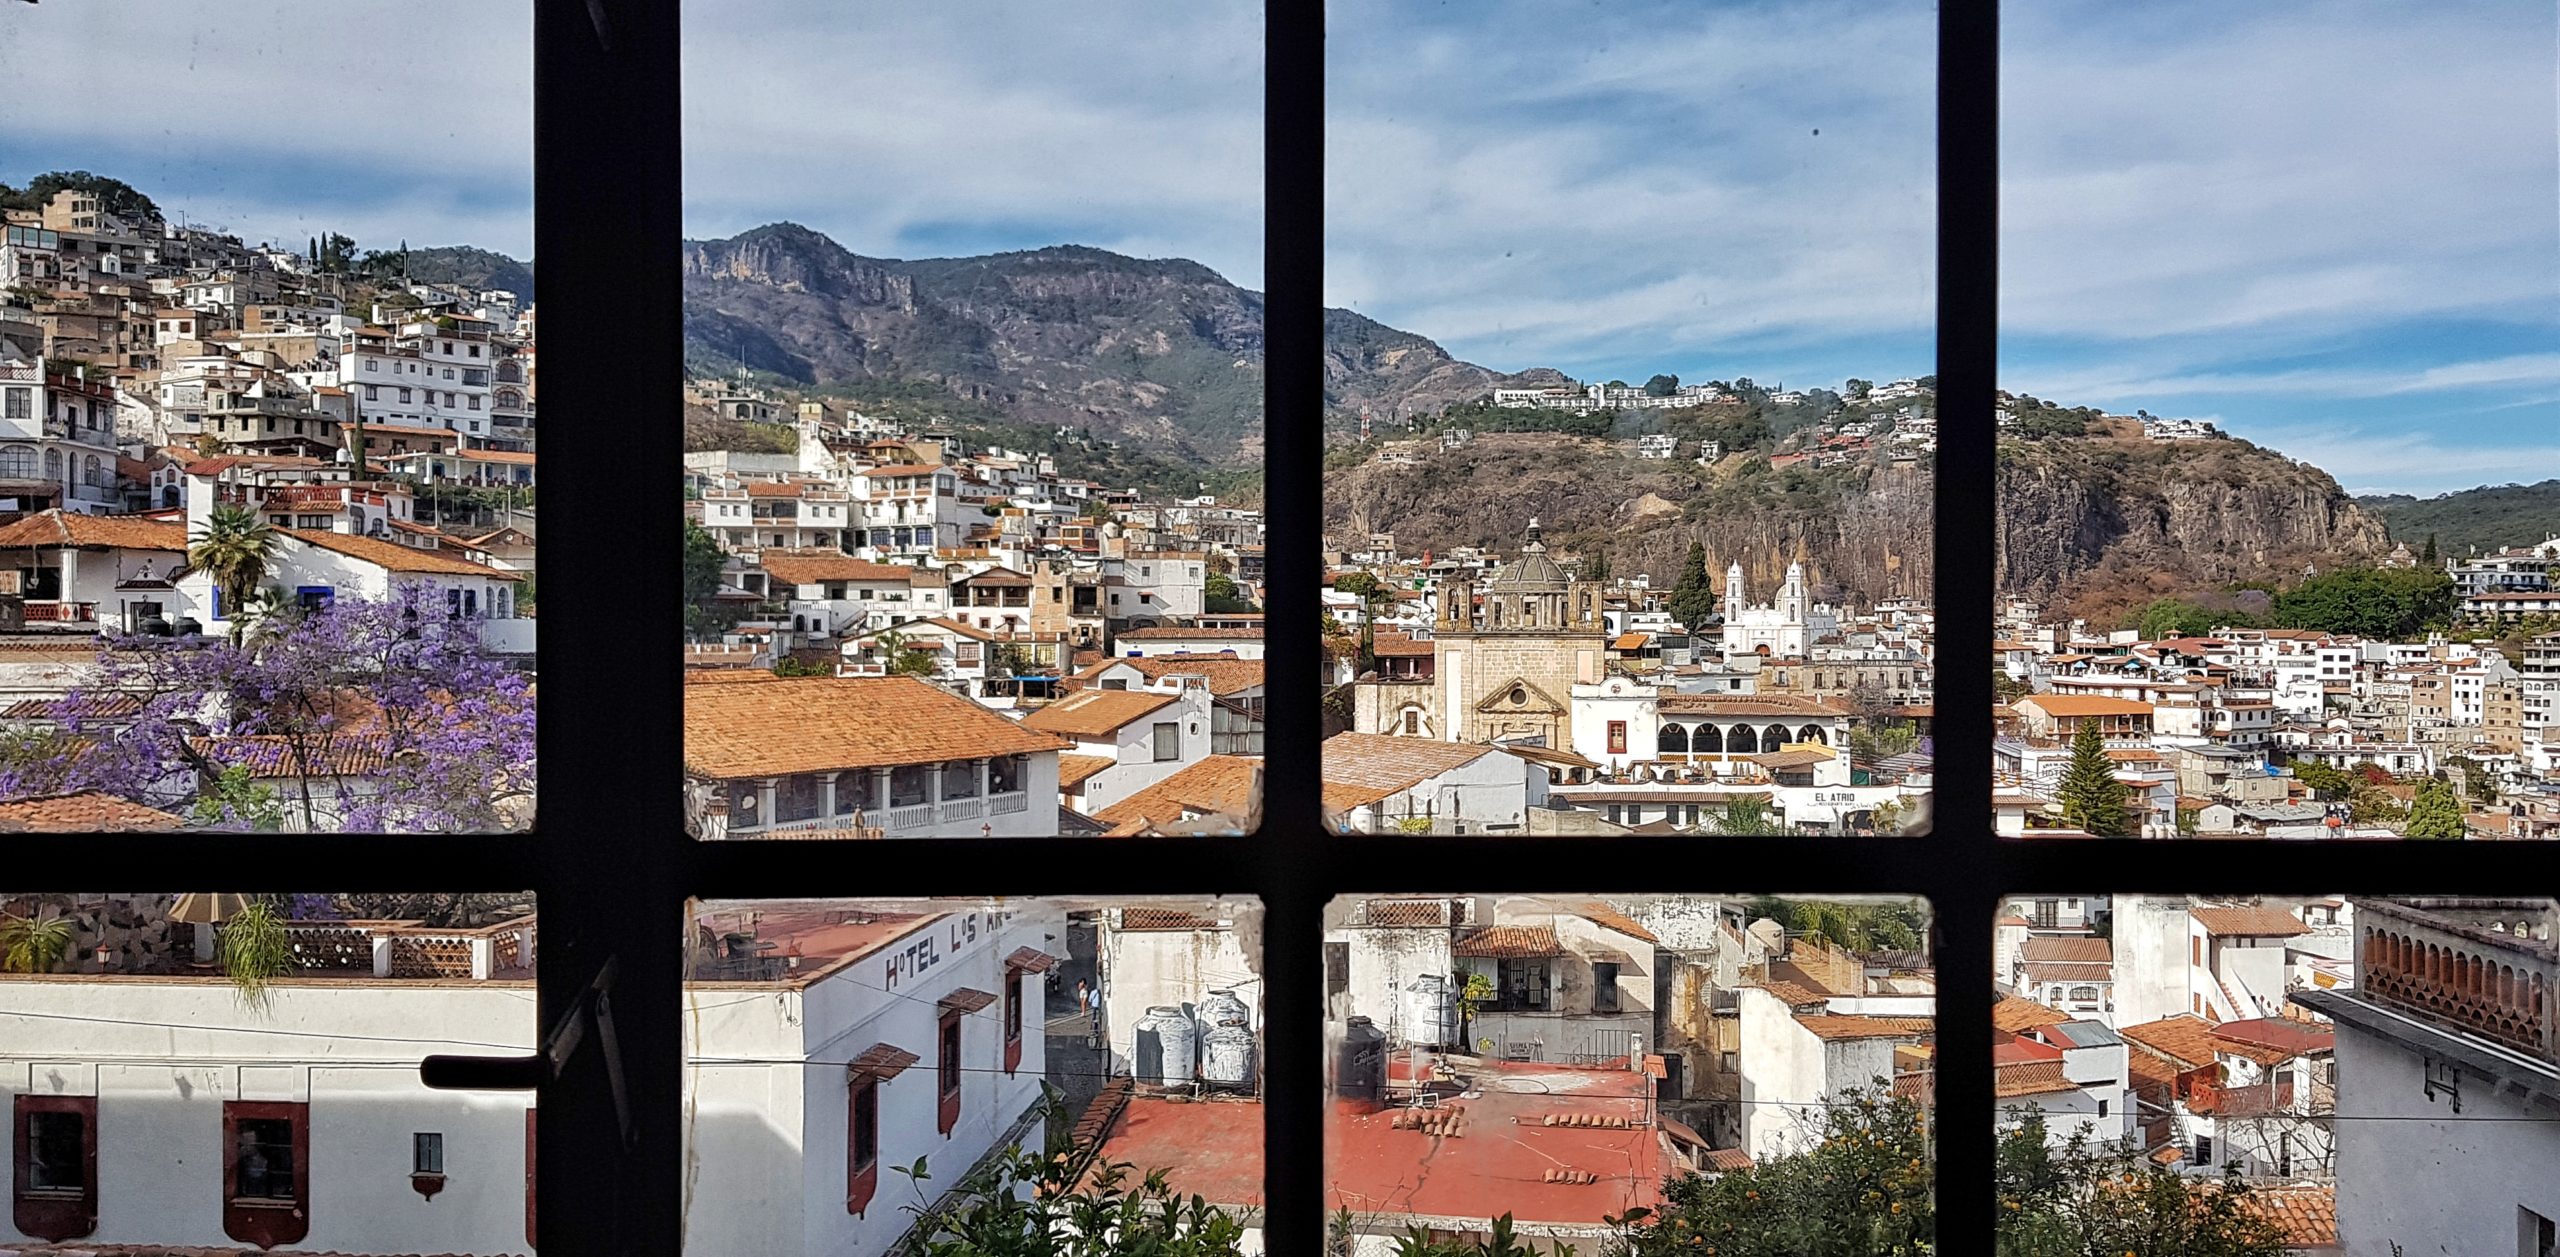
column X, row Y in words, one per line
column 754, row 1129
column 1385, row 966
column 1142, row 969
column 2151, row 958
column 162, row 1056
column 1781, row 1064
column 2410, row 1170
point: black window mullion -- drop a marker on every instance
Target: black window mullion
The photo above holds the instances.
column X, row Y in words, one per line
column 607, row 198
column 1963, row 865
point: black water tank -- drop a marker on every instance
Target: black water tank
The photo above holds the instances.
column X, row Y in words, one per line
column 1360, row 1067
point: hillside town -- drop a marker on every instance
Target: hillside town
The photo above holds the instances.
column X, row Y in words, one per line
column 216, row 455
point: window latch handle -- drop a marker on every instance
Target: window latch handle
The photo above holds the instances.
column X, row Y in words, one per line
column 525, row 1073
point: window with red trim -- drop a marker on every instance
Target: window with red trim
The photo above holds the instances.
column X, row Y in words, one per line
column 1013, row 975
column 266, row 1171
column 862, row 1145
column 55, row 1188
column 947, row 1072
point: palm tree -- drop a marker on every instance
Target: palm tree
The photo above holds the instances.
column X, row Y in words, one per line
column 33, row 944
column 232, row 547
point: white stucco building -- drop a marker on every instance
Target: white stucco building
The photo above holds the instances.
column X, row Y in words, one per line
column 1784, row 628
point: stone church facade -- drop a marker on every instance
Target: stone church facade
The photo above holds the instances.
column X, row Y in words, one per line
column 1506, row 664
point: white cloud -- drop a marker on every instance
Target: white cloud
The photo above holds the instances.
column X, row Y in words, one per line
column 1136, row 127
column 2114, row 384
column 2365, row 460
column 405, row 120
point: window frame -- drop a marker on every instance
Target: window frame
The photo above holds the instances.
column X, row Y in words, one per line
column 266, row 1221
column 53, row 1215
column 607, row 215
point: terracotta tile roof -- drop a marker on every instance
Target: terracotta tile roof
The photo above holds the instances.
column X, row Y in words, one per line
column 1630, row 641
column 1032, row 959
column 1163, row 919
column 1509, row 941
column 1096, row 713
column 2186, row 1039
column 1175, row 633
column 89, row 811
column 1402, row 645
column 879, row 1063
column 1726, row 1160
column 1226, row 674
column 2147, row 1070
column 1828, row 1027
column 1750, row 707
column 2067, row 948
column 2260, row 922
column 1407, row 912
column 2029, row 1078
column 90, row 707
column 965, row 1000
column 123, row 532
column 1362, row 768
column 392, row 556
column 272, row 756
column 784, row 489
column 817, row 567
column 1215, row 785
column 2068, row 971
column 2268, row 1040
column 815, row 724
column 2013, row 1015
column 2307, row 1213
column 2084, row 705
column 1074, row 770
column 1603, row 914
column 1794, row 995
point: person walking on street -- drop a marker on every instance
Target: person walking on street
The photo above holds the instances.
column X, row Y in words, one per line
column 1094, row 1016
column 1080, row 1003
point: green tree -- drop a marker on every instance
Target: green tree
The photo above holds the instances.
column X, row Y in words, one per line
column 2386, row 604
column 1863, row 1187
column 1219, row 594
column 2096, row 1200
column 1743, row 814
column 1365, row 587
column 235, row 798
column 1041, row 1203
column 2006, row 688
column 2175, row 617
column 1599, row 569
column 2427, row 557
column 114, row 195
column 1662, row 386
column 1857, row 389
column 795, row 666
column 2435, row 812
column 1882, row 739
column 233, row 547
column 1693, row 596
column 903, row 659
column 2091, row 797
column 703, row 559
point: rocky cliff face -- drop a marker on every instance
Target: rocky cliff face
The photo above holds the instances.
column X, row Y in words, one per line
column 1164, row 354
column 2089, row 527
column 2099, row 528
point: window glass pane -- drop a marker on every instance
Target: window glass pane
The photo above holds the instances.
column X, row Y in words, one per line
column 2282, row 1049
column 2265, row 421
column 1555, row 1062
column 221, row 1072
column 827, row 1039
column 193, row 283
column 1630, row 428
column 974, row 416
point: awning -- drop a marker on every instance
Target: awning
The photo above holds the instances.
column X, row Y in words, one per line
column 965, row 1000
column 879, row 1062
column 1031, row 958
column 1603, row 955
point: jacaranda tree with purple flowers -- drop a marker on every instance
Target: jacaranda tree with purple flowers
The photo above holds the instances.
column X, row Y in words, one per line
column 369, row 716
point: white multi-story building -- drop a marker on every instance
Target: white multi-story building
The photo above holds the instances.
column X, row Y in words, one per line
column 57, row 440
column 1785, row 628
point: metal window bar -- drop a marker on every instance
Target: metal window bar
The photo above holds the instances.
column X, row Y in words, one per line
column 612, row 868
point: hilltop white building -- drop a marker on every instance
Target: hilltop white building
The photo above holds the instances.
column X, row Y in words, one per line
column 1784, row 628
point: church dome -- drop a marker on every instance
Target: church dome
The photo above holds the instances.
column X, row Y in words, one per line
column 1532, row 571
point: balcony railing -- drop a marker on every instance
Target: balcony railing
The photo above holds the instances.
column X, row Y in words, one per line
column 893, row 822
column 2499, row 983
column 62, row 612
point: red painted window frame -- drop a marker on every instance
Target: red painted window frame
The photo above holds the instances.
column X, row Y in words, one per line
column 1013, row 1018
column 862, row 1179
column 266, row 1225
column 53, row 1216
column 1617, row 737
column 947, row 1071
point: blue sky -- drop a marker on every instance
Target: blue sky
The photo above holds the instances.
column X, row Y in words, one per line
column 974, row 126
column 2334, row 228
column 281, row 119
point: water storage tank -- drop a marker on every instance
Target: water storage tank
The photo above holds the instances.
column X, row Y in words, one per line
column 1430, row 1012
column 1222, row 1007
column 1360, row 1067
column 1226, row 1055
column 1166, row 1046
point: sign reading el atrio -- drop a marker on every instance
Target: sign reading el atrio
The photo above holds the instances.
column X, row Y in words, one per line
column 939, row 942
